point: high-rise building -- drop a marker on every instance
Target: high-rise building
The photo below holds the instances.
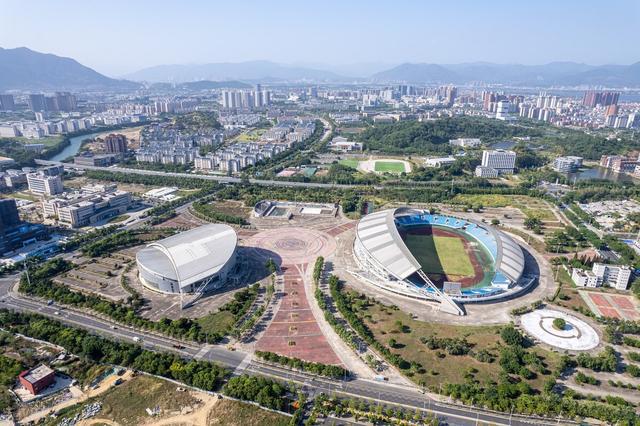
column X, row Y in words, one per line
column 592, row 98
column 115, row 144
column 9, row 217
column 37, row 102
column 65, row 101
column 7, row 103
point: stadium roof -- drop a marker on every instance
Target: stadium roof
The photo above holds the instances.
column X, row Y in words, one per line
column 380, row 237
column 191, row 256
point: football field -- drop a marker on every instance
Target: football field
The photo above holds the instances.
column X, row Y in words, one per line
column 389, row 166
column 440, row 255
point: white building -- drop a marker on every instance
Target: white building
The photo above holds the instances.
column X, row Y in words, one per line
column 465, row 142
column 567, row 164
column 486, row 172
column 503, row 161
column 84, row 208
column 40, row 183
column 583, row 278
column 613, row 275
column 340, row 143
column 439, row 161
column 503, row 111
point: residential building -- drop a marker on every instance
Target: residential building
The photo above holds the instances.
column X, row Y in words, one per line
column 616, row 276
column 115, row 144
column 7, row 103
column 568, row 164
column 41, row 183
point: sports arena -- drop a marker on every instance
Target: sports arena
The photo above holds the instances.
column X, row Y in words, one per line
column 437, row 257
column 193, row 261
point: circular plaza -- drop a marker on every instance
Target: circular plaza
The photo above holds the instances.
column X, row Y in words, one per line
column 575, row 335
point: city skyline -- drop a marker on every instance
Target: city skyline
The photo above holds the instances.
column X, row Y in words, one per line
column 328, row 35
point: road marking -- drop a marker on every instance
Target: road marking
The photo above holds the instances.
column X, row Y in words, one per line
column 244, row 364
column 202, row 352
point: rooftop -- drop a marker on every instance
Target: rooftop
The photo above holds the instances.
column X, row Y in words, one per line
column 37, row 373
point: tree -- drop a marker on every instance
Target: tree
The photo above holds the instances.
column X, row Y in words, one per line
column 559, row 323
column 511, row 336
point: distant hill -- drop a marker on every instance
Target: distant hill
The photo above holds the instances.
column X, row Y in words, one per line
column 201, row 85
column 25, row 69
column 552, row 74
column 418, row 73
column 224, row 71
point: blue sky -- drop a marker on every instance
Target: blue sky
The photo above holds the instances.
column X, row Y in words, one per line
column 117, row 36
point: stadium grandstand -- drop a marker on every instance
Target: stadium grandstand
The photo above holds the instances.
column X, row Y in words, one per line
column 436, row 257
column 191, row 262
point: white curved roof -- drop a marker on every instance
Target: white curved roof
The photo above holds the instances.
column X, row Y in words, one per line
column 380, row 237
column 190, row 256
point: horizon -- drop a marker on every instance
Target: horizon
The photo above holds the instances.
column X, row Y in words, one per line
column 358, row 34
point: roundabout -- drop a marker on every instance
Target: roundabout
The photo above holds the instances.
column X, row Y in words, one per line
column 575, row 335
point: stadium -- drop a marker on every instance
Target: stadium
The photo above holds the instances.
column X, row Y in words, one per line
column 193, row 261
column 437, row 257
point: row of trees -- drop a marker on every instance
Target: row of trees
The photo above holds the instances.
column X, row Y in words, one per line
column 332, row 371
column 41, row 285
column 266, row 392
column 202, row 374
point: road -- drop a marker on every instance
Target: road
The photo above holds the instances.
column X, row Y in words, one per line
column 231, row 179
column 240, row 362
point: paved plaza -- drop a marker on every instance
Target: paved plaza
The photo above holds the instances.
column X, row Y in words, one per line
column 576, row 336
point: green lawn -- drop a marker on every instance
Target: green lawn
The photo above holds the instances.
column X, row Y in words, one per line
column 451, row 258
column 389, row 166
column 350, row 163
column 217, row 322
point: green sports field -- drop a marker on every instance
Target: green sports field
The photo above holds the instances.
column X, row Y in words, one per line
column 389, row 166
column 350, row 163
column 440, row 255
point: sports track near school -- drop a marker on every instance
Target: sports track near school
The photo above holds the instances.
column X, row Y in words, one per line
column 294, row 331
column 438, row 274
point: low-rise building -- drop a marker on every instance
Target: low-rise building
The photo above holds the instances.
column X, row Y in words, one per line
column 568, row 164
column 340, row 143
column 465, row 142
column 582, row 278
column 37, row 379
column 439, row 161
column 86, row 208
column 486, row 172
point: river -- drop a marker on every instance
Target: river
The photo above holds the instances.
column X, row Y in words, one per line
column 74, row 146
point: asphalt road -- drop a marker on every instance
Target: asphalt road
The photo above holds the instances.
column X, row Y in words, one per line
column 382, row 392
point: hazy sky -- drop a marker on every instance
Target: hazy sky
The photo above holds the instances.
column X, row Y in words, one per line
column 118, row 36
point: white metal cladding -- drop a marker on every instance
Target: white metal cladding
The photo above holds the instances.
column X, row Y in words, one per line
column 380, row 238
column 193, row 255
column 510, row 256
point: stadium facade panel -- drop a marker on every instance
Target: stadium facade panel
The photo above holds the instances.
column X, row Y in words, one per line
column 386, row 261
column 189, row 262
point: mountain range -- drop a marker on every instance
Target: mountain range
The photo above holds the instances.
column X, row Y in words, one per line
column 552, row 74
column 222, row 71
column 25, row 69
